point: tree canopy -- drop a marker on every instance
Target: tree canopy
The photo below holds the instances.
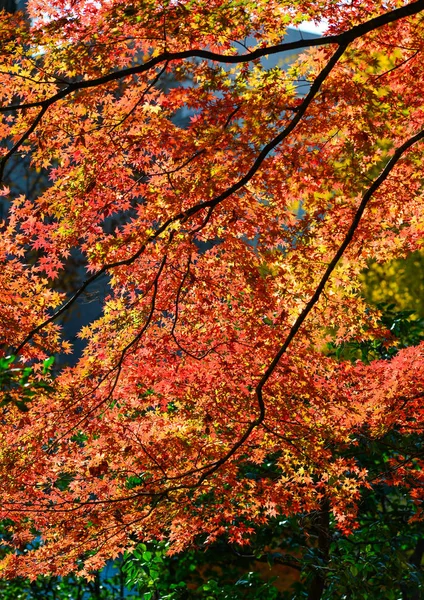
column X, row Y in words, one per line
column 208, row 398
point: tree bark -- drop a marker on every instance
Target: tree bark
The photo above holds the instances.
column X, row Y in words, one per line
column 323, row 527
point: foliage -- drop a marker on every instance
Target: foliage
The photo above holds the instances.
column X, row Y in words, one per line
column 399, row 281
column 19, row 384
column 381, row 556
column 220, row 389
column 108, row 585
column 403, row 329
column 210, row 574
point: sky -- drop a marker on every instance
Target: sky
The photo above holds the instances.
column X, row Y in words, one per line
column 312, row 27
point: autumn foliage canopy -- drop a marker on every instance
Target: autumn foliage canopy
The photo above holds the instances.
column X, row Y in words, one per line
column 229, row 208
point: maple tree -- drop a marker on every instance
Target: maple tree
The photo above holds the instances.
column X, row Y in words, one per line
column 233, row 248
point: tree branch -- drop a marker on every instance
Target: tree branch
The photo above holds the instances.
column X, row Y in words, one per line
column 342, row 39
column 207, row 204
column 399, row 152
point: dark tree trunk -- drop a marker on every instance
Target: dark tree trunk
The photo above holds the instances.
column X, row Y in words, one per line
column 323, row 528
